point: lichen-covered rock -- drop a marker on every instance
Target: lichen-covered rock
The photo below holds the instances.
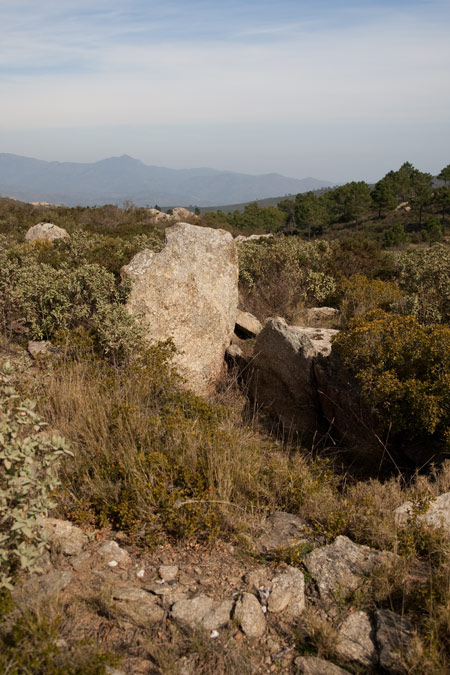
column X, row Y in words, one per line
column 437, row 513
column 356, row 640
column 188, row 292
column 64, row 536
column 281, row 530
column 250, row 616
column 394, row 636
column 288, row 593
column 46, row 232
column 203, row 611
column 111, row 551
column 311, row 665
column 338, row 569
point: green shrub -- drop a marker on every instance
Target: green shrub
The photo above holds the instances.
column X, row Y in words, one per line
column 403, row 369
column 424, row 276
column 361, row 295
column 44, row 300
column 282, row 275
column 27, row 479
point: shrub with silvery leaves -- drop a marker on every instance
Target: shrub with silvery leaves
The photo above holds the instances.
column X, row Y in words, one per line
column 27, row 479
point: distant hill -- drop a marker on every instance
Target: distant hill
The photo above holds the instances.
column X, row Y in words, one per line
column 269, row 201
column 117, row 179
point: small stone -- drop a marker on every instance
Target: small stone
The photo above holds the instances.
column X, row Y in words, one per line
column 79, row 561
column 247, row 325
column 55, row 582
column 311, row 665
column 168, row 572
column 140, row 574
column 64, row 536
column 42, row 349
column 111, row 549
column 113, row 563
column 214, row 634
column 282, row 530
column 132, row 594
column 249, row 615
column 202, row 611
column 257, row 579
column 136, row 603
column 288, row 593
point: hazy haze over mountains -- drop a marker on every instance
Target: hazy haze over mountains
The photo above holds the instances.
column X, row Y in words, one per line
column 117, row 179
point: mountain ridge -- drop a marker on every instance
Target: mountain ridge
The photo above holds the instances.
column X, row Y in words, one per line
column 124, row 178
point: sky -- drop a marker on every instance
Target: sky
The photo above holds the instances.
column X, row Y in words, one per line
column 339, row 90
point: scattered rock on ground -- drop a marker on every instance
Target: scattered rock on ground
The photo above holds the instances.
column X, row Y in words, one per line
column 311, row 665
column 338, row 569
column 203, row 611
column 189, row 293
column 436, row 515
column 394, row 636
column 135, row 602
column 250, row 616
column 168, row 572
column 46, row 232
column 111, row 551
column 288, row 593
column 64, row 536
column 281, row 530
column 356, row 640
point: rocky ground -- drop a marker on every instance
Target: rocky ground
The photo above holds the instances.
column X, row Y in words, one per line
column 199, row 609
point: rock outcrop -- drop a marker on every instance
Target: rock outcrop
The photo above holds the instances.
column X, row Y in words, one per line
column 45, row 232
column 189, row 292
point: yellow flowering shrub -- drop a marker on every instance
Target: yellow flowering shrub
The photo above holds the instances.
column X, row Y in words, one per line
column 403, row 369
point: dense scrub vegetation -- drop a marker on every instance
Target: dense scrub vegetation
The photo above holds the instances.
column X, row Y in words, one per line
column 154, row 461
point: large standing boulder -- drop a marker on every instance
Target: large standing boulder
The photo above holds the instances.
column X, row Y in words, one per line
column 46, row 232
column 283, row 379
column 189, row 292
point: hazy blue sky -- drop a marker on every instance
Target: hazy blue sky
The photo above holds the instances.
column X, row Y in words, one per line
column 340, row 90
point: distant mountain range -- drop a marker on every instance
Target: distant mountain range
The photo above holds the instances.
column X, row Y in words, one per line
column 117, row 179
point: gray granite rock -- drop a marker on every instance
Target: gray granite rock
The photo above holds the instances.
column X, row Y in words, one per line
column 339, row 569
column 311, row 665
column 356, row 640
column 288, row 593
column 394, row 635
column 202, row 611
column 281, row 530
column 250, row 616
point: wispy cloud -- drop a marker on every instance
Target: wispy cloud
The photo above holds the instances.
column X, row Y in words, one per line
column 82, row 63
